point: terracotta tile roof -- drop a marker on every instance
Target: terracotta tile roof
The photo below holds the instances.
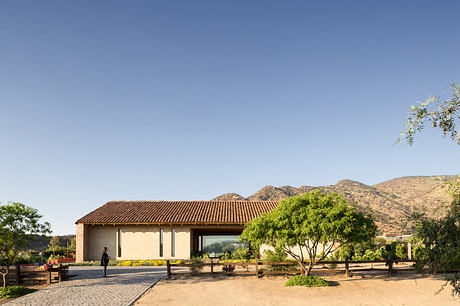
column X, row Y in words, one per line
column 178, row 212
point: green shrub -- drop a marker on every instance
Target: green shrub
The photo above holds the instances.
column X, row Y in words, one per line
column 242, row 254
column 57, row 256
column 279, row 255
column 14, row 291
column 227, row 255
column 307, row 281
column 401, row 251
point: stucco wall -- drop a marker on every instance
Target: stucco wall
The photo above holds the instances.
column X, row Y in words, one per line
column 99, row 237
column 81, row 242
column 137, row 242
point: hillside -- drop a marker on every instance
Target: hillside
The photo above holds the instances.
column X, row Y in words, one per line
column 40, row 243
column 390, row 202
column 419, row 191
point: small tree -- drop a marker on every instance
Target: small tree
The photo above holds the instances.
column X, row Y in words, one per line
column 53, row 245
column 309, row 225
column 73, row 245
column 442, row 114
column 17, row 223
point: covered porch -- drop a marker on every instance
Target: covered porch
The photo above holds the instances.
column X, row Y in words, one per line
column 215, row 241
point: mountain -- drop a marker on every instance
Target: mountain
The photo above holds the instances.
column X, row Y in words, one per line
column 230, row 197
column 423, row 192
column 390, row 202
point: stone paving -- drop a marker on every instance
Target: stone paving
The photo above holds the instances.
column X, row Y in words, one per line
column 122, row 286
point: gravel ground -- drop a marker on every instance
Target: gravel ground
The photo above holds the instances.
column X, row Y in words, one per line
column 361, row 289
column 123, row 286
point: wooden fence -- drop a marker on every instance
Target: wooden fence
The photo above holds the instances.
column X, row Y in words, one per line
column 35, row 275
column 230, row 267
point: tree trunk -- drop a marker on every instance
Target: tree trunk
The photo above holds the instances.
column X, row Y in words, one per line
column 302, row 266
column 4, row 278
column 310, row 266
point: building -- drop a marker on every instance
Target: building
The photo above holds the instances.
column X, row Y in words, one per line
column 165, row 229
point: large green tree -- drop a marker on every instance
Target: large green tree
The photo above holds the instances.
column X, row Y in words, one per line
column 442, row 113
column 18, row 223
column 310, row 227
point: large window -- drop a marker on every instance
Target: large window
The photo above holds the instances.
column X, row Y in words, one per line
column 119, row 242
column 217, row 245
column 161, row 242
column 173, row 242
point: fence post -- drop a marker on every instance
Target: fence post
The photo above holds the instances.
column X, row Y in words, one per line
column 390, row 266
column 168, row 268
column 257, row 268
column 212, row 268
column 347, row 268
column 18, row 274
column 60, row 273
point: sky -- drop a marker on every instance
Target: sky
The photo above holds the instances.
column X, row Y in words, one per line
column 186, row 100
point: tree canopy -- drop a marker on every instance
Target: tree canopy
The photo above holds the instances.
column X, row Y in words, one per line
column 444, row 114
column 17, row 223
column 310, row 226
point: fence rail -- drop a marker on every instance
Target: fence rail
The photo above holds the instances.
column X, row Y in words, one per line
column 32, row 275
column 257, row 272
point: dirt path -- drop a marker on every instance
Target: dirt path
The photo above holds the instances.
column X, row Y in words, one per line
column 371, row 290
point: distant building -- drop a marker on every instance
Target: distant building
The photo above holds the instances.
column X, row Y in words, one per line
column 394, row 236
column 165, row 229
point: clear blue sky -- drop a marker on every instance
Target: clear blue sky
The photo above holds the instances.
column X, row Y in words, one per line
column 186, row 100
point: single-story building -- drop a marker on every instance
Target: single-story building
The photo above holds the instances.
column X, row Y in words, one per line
column 134, row 230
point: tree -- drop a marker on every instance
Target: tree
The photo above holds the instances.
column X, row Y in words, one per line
column 73, row 245
column 440, row 239
column 17, row 223
column 53, row 245
column 442, row 114
column 310, row 226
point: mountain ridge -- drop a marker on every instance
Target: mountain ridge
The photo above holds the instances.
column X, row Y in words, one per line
column 390, row 202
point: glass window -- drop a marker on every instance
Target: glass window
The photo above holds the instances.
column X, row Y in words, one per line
column 173, row 242
column 161, row 242
column 119, row 242
column 217, row 245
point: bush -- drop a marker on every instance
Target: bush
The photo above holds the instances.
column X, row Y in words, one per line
column 279, row 255
column 14, row 291
column 242, row 254
column 227, row 255
column 56, row 257
column 401, row 251
column 307, row 281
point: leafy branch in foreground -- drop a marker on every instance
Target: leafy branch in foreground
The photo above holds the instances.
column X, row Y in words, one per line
column 442, row 114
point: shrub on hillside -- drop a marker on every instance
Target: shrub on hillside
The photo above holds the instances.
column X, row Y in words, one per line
column 307, row 281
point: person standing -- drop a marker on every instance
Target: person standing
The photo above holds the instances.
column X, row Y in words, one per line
column 104, row 261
